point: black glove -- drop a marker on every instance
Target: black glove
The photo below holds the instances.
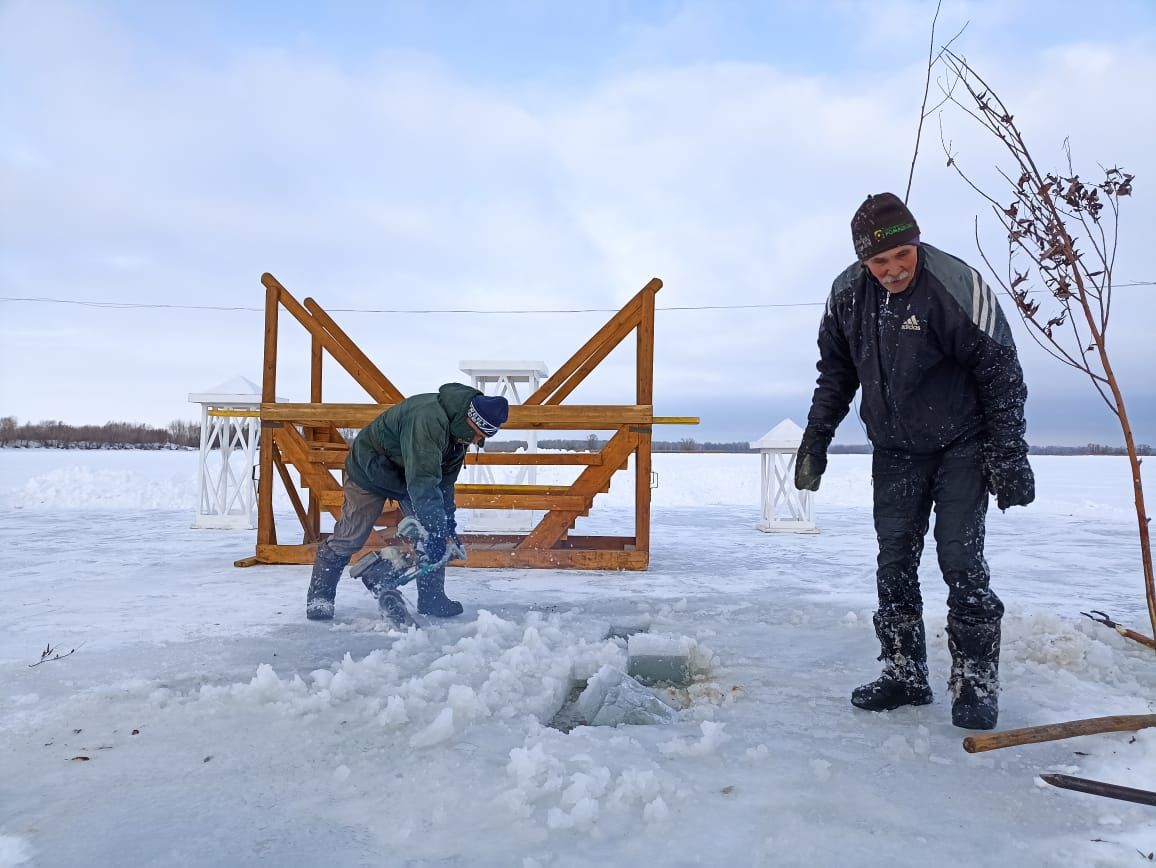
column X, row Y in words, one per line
column 1011, row 481
column 434, row 550
column 811, row 460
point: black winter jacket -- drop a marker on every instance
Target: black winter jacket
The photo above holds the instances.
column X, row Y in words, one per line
column 937, row 362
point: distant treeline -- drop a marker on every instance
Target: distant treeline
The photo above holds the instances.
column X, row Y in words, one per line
column 111, row 435
column 593, row 443
column 180, row 434
column 1089, row 449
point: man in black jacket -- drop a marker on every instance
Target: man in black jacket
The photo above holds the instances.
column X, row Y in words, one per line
column 943, row 403
column 411, row 453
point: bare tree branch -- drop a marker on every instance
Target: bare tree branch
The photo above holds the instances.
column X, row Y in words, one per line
column 1051, row 219
column 923, row 106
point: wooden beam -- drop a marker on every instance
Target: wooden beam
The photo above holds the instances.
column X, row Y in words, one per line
column 505, row 541
column 293, row 446
column 316, row 372
column 340, row 355
column 500, row 488
column 535, row 458
column 553, row 526
column 609, row 342
column 394, row 394
column 644, row 373
column 266, row 524
column 576, row 417
column 294, row 499
column 544, row 393
column 567, row 502
column 561, row 558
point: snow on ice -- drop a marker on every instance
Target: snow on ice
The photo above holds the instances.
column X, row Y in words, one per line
column 219, row 727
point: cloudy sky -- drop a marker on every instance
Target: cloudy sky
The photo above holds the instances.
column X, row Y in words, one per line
column 510, row 156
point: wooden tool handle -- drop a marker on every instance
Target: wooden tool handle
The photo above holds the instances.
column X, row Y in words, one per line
column 1054, row 731
column 1099, row 788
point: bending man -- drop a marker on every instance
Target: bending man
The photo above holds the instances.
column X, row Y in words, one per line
column 411, row 453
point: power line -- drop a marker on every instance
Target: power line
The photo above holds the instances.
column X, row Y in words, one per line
column 119, row 305
column 125, row 305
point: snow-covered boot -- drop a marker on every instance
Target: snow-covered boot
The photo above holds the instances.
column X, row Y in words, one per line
column 323, row 586
column 904, row 678
column 974, row 682
column 432, row 599
column 393, row 608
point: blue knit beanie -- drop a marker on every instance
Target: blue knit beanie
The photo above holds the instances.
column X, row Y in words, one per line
column 488, row 412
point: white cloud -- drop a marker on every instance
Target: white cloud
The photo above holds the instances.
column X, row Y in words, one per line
column 132, row 175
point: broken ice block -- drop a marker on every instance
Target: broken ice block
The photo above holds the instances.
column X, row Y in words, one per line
column 612, row 698
column 659, row 658
column 625, row 631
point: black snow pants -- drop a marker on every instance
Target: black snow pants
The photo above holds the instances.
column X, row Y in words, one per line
column 906, row 486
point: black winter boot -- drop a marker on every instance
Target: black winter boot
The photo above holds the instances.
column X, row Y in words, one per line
column 974, row 682
column 323, row 586
column 432, row 599
column 904, row 678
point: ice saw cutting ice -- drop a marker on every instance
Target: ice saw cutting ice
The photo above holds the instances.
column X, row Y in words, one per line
column 412, row 453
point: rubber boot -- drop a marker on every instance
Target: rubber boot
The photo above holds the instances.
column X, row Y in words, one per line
column 323, row 586
column 974, row 682
column 904, row 678
column 432, row 599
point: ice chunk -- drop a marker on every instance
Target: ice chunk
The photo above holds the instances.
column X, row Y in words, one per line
column 441, row 729
column 625, row 630
column 656, row 811
column 658, row 658
column 612, row 697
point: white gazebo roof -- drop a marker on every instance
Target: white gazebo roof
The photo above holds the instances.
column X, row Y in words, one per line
column 785, row 435
column 238, row 390
column 500, row 367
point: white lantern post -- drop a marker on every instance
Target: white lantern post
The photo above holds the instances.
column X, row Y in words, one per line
column 513, row 380
column 785, row 509
column 230, row 429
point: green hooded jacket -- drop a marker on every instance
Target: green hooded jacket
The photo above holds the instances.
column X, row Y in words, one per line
column 413, row 453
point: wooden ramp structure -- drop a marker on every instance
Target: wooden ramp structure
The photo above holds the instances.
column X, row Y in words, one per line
column 302, row 446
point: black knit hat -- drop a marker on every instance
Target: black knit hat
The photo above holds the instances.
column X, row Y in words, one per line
column 882, row 222
column 488, row 413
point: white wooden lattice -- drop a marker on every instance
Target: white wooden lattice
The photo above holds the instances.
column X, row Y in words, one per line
column 784, row 509
column 230, row 429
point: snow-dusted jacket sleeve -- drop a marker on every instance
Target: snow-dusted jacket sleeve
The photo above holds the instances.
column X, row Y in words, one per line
column 448, row 502
column 838, row 379
column 422, row 437
column 982, row 342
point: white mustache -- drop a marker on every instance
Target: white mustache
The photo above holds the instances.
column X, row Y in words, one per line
column 901, row 276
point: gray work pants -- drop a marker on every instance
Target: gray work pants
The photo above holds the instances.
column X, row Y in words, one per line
column 358, row 514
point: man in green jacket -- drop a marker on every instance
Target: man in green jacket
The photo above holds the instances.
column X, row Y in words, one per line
column 411, row 453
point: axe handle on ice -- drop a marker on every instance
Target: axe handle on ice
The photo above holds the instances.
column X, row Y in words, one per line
column 1054, row 731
